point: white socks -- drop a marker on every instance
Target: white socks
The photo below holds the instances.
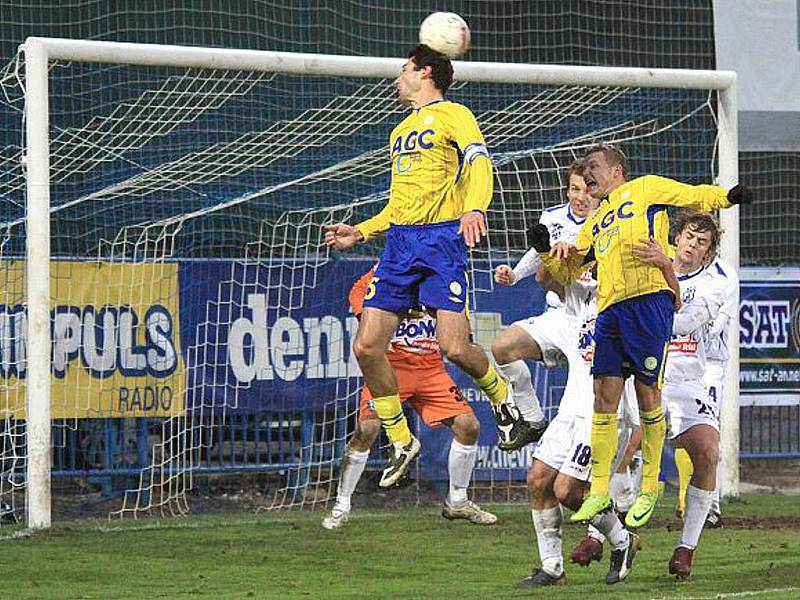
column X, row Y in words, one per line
column 547, row 523
column 460, row 463
column 694, row 517
column 524, row 395
column 352, row 468
column 611, row 527
column 715, row 500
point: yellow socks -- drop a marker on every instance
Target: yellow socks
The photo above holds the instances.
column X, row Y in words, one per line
column 604, row 447
column 393, row 421
column 685, row 471
column 494, row 386
column 654, row 428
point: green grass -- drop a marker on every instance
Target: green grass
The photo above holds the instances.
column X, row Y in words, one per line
column 393, row 554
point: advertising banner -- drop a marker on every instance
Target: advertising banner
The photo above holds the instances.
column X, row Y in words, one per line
column 769, row 336
column 116, row 340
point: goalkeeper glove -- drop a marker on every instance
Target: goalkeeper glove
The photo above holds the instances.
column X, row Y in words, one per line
column 740, row 194
column 539, row 238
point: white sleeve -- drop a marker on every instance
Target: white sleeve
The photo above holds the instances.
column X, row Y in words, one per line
column 697, row 313
column 729, row 309
column 527, row 265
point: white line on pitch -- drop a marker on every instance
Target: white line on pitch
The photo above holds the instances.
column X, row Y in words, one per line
column 721, row 595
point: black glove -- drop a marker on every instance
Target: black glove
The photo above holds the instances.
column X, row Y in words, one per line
column 740, row 194
column 539, row 238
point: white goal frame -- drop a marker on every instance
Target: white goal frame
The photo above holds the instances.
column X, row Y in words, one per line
column 39, row 51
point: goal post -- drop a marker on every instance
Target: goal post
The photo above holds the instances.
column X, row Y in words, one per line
column 41, row 52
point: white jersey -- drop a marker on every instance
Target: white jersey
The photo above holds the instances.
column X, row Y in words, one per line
column 702, row 295
column 718, row 334
column 578, row 398
column 561, row 223
column 563, row 227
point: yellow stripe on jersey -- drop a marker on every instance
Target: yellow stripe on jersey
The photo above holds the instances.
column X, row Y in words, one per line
column 633, row 212
column 440, row 169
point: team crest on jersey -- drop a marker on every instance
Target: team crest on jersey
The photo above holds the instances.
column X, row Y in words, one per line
column 687, row 295
column 556, row 231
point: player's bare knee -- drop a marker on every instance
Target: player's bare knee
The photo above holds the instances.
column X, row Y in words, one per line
column 366, row 350
column 365, row 435
column 456, row 350
column 564, row 490
column 466, row 429
column 705, row 456
column 502, row 351
column 539, row 481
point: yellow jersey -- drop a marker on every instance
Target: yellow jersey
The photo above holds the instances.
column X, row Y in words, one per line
column 440, row 169
column 634, row 211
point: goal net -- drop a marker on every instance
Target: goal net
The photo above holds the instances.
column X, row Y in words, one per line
column 196, row 324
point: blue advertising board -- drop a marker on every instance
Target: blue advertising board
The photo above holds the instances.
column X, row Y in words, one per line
column 769, row 336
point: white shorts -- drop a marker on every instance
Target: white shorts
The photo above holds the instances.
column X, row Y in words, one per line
column 566, row 446
column 687, row 404
column 552, row 330
column 714, row 378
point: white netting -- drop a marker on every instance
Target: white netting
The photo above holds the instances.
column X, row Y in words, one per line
column 200, row 324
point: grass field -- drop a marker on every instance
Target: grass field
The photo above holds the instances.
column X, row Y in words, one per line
column 410, row 553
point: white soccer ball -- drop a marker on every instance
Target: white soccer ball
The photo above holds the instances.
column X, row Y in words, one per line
column 445, row 32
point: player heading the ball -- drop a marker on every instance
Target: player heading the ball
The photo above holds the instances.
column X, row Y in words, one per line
column 441, row 186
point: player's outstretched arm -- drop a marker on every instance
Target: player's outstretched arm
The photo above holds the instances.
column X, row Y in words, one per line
column 342, row 236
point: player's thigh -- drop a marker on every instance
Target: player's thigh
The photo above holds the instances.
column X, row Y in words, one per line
column 515, row 343
column 554, row 334
column 607, row 393
column 541, row 477
column 375, row 330
column 452, row 331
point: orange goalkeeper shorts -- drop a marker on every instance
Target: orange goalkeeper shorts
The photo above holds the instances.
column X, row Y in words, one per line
column 424, row 382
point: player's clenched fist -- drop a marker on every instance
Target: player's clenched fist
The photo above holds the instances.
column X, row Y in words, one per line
column 342, row 236
column 505, row 275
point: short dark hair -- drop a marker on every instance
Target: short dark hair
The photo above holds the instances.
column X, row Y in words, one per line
column 576, row 168
column 700, row 222
column 441, row 67
column 614, row 155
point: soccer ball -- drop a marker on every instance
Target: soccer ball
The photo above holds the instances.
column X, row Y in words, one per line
column 445, row 32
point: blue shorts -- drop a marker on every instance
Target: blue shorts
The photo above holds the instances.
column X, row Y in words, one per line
column 421, row 264
column 631, row 338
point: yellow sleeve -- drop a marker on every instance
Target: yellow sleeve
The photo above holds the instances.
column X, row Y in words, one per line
column 477, row 166
column 375, row 225
column 705, row 198
column 478, row 183
column 564, row 271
